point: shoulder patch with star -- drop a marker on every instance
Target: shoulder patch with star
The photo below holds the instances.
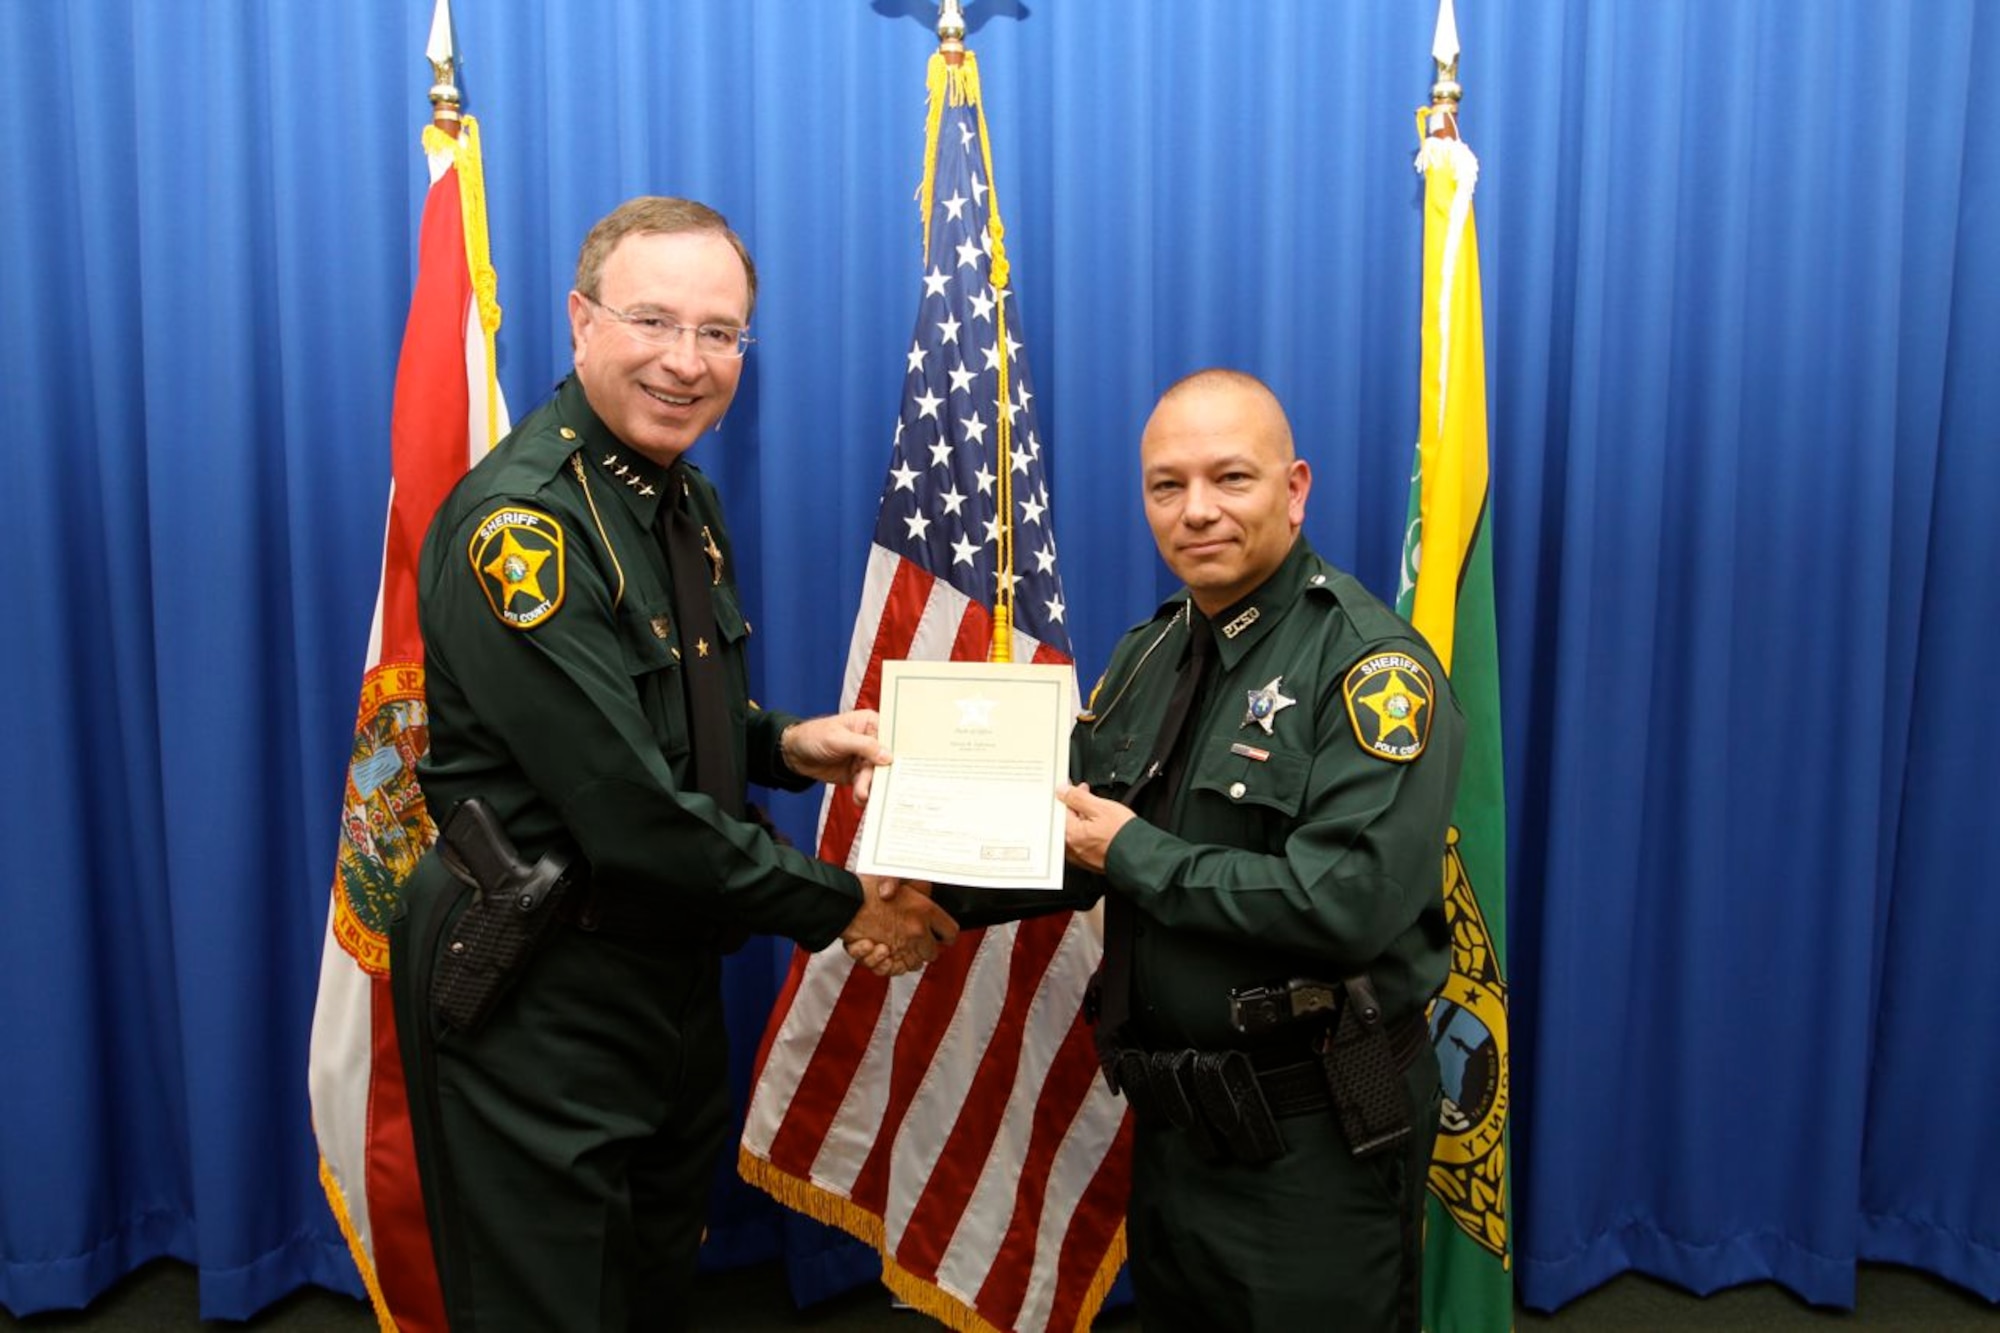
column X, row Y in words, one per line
column 1389, row 699
column 518, row 555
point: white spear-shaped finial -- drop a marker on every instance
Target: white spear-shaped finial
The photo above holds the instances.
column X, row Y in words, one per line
column 1444, row 46
column 1444, row 50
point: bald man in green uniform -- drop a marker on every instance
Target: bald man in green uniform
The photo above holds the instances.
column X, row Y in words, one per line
column 587, row 692
column 1264, row 784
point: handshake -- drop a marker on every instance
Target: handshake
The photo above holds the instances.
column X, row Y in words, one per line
column 898, row 928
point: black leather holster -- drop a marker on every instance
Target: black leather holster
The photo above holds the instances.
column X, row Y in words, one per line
column 514, row 905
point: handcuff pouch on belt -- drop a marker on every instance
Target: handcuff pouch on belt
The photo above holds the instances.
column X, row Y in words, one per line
column 1211, row 1096
column 508, row 918
column 1363, row 1065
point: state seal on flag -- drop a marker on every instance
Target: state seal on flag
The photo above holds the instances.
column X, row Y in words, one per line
column 1389, row 698
column 385, row 825
column 518, row 555
column 1468, row 1022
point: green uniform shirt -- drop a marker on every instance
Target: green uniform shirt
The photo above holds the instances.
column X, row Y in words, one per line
column 554, row 686
column 1308, row 835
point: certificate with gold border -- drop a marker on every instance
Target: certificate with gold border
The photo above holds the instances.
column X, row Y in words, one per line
column 981, row 749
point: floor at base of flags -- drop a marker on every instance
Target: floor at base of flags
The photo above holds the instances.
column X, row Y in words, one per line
column 162, row 1296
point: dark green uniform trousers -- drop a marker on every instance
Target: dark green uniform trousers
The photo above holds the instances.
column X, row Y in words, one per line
column 567, row 1147
column 1316, row 1241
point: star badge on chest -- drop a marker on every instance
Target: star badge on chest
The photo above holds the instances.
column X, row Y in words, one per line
column 1266, row 704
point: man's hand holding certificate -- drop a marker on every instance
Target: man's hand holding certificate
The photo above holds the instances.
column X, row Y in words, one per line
column 981, row 749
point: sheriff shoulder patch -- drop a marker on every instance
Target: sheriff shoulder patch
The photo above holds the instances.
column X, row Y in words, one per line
column 1389, row 700
column 518, row 555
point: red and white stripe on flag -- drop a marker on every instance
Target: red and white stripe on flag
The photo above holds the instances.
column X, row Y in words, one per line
column 955, row 1117
column 447, row 413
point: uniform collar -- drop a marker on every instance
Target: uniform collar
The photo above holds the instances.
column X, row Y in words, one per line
column 640, row 482
column 1240, row 627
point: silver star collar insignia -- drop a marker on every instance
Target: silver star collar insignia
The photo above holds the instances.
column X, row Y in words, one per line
column 1266, row 704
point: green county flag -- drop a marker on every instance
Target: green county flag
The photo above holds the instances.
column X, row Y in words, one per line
column 1447, row 593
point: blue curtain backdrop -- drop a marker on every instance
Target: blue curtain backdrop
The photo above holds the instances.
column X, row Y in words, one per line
column 1740, row 285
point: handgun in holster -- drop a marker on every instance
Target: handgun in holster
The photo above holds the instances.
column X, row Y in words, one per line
column 1364, row 1079
column 509, row 916
column 1363, row 1076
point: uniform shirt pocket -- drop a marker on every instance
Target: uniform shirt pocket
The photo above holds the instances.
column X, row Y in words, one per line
column 650, row 642
column 1243, row 800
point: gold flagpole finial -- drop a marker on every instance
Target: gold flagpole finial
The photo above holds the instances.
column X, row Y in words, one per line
column 444, row 97
column 444, row 92
column 951, row 30
column 1446, row 92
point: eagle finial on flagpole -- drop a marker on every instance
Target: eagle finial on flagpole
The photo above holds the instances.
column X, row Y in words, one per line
column 444, row 92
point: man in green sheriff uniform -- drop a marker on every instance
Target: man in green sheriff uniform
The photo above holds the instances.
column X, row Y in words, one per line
column 1292, row 831
column 586, row 683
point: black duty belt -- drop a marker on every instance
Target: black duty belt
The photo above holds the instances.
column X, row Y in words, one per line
column 1229, row 1102
column 1294, row 1089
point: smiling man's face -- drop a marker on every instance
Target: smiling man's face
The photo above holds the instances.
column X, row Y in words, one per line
column 660, row 400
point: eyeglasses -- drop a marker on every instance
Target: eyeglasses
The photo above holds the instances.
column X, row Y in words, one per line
column 717, row 340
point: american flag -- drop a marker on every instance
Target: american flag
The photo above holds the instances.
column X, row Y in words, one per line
column 955, row 1118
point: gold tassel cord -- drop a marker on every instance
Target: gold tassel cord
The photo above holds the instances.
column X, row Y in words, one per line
column 946, row 84
column 470, row 165
column 996, row 231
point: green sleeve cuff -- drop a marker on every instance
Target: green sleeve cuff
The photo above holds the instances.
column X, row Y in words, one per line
column 1138, row 859
column 762, row 739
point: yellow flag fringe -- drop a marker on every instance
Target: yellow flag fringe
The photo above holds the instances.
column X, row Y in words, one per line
column 1106, row 1275
column 919, row 1294
column 338, row 1202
